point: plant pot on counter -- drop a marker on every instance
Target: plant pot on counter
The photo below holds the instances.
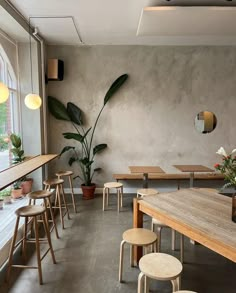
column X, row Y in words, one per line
column 88, row 191
column 16, row 193
column 27, row 186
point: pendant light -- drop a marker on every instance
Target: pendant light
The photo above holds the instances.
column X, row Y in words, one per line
column 32, row 100
column 4, row 92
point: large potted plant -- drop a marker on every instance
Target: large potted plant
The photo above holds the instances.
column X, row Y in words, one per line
column 18, row 156
column 85, row 154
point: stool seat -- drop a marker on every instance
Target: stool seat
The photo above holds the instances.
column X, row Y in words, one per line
column 146, row 191
column 139, row 236
column 53, row 181
column 160, row 266
column 30, row 211
column 159, row 223
column 113, row 184
column 39, row 194
column 64, row 173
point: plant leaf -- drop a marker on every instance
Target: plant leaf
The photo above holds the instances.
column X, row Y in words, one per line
column 66, row 149
column 15, row 140
column 72, row 160
column 114, row 87
column 57, row 109
column 97, row 169
column 71, row 135
column 86, row 133
column 75, row 113
column 85, row 161
column 99, row 148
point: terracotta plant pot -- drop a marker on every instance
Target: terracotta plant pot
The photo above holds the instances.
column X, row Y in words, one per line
column 88, row 191
column 27, row 186
column 16, row 193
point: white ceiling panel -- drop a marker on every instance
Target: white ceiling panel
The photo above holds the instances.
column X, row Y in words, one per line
column 187, row 21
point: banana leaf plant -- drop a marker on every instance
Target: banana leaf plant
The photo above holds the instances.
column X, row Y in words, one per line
column 85, row 154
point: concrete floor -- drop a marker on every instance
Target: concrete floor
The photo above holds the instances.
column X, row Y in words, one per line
column 87, row 257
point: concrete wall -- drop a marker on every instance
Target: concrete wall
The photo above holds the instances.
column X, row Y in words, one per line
column 151, row 120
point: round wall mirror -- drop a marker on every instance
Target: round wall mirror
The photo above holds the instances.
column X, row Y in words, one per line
column 205, row 122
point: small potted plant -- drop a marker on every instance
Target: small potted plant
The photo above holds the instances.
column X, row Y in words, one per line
column 18, row 157
column 16, row 192
column 5, row 194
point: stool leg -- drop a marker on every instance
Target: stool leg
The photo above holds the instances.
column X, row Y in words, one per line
column 58, row 197
column 13, row 242
column 64, row 200
column 38, row 250
column 173, row 237
column 104, row 199
column 181, row 248
column 45, row 223
column 108, row 194
column 24, row 239
column 140, row 282
column 146, row 284
column 54, row 225
column 175, row 284
column 121, row 195
column 159, row 238
column 121, row 259
column 72, row 194
column 118, row 200
column 131, row 255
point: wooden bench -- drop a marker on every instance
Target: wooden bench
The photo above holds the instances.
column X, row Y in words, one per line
column 176, row 177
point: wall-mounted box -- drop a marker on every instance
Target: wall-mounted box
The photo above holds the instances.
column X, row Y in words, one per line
column 55, row 69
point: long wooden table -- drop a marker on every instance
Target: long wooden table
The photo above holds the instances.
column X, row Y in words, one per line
column 200, row 214
column 16, row 172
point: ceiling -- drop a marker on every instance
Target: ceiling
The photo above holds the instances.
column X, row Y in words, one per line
column 110, row 22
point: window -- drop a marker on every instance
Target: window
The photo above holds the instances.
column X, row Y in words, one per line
column 8, row 110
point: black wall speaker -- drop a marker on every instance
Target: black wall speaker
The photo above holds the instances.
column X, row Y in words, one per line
column 55, row 69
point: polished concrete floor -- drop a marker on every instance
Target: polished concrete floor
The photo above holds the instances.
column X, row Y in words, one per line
column 87, row 257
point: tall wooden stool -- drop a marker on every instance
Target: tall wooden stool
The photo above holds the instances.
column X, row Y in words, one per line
column 30, row 212
column 45, row 195
column 60, row 196
column 135, row 237
column 69, row 175
column 106, row 192
column 156, row 223
column 159, row 266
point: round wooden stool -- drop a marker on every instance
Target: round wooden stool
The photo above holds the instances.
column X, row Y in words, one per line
column 146, row 192
column 60, row 196
column 106, row 192
column 69, row 175
column 159, row 266
column 136, row 237
column 45, row 195
column 156, row 223
column 30, row 212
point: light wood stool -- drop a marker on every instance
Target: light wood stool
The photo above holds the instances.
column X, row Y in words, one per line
column 45, row 196
column 106, row 192
column 159, row 266
column 60, row 196
column 156, row 223
column 30, row 212
column 135, row 237
column 69, row 175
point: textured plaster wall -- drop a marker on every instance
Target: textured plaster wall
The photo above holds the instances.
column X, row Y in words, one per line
column 150, row 121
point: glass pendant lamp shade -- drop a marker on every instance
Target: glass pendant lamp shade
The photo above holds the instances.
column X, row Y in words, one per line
column 4, row 92
column 33, row 101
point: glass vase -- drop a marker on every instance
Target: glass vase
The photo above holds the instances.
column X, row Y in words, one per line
column 234, row 207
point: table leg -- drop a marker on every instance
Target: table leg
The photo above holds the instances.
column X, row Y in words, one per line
column 191, row 179
column 145, row 180
column 137, row 223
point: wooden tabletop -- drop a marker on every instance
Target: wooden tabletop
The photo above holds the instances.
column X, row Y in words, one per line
column 193, row 168
column 201, row 214
column 16, row 172
column 145, row 169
